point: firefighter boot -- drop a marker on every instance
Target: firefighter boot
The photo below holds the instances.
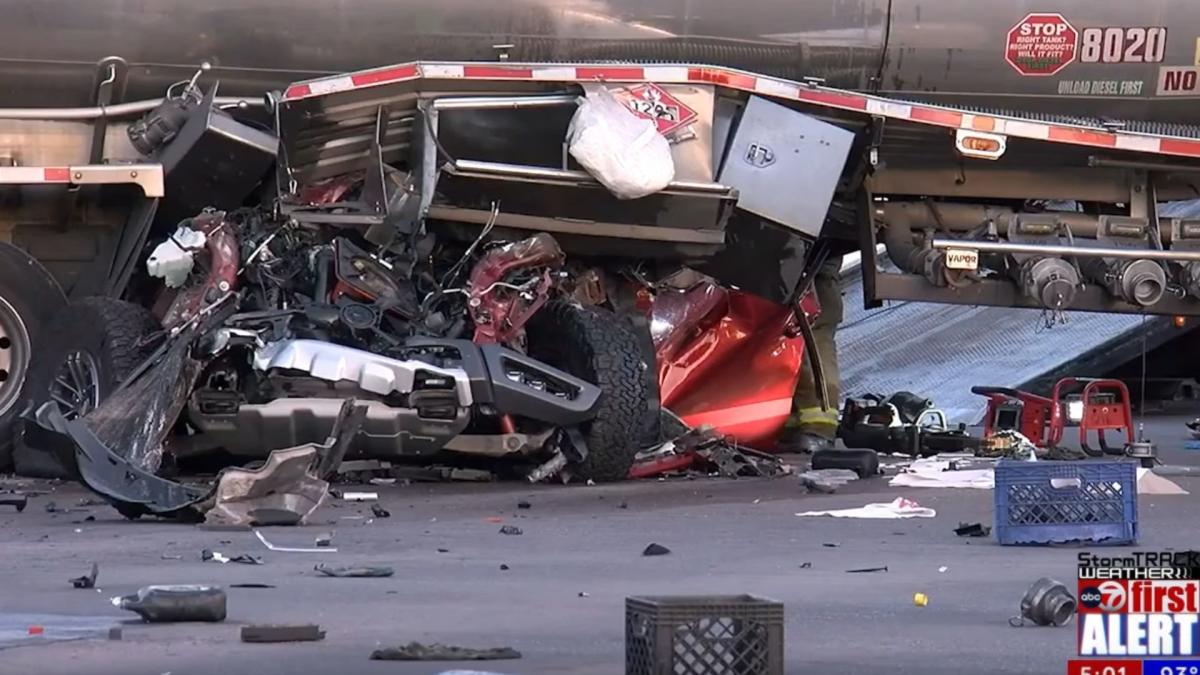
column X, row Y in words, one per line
column 812, row 427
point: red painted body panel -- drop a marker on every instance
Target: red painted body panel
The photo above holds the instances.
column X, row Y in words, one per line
column 727, row 359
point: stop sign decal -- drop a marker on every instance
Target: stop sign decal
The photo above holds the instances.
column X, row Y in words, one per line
column 1041, row 44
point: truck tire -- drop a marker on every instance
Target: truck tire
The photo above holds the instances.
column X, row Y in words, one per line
column 89, row 349
column 29, row 299
column 592, row 344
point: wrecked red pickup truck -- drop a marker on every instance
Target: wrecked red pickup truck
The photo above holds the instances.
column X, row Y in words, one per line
column 533, row 274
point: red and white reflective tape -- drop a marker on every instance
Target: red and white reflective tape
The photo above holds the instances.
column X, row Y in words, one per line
column 32, row 175
column 758, row 84
column 148, row 176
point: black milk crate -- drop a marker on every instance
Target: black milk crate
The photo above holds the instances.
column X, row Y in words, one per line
column 703, row 635
column 1058, row 502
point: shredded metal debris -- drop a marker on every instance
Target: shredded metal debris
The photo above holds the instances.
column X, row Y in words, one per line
column 415, row 651
column 88, row 580
column 361, row 572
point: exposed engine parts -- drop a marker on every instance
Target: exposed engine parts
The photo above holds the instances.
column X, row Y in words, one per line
column 273, row 323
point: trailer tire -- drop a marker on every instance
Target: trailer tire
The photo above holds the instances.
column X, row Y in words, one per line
column 105, row 340
column 593, row 344
column 29, row 299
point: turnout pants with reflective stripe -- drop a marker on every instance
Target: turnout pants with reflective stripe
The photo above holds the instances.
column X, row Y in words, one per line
column 808, row 417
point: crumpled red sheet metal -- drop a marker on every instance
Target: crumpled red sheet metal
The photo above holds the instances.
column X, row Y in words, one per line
column 500, row 313
column 728, row 359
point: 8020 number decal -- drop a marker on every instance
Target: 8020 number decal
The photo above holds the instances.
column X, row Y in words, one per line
column 1123, row 45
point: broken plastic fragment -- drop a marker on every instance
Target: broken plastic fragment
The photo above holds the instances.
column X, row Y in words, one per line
column 656, row 549
column 216, row 556
column 88, row 580
column 360, row 496
column 172, row 260
column 287, row 549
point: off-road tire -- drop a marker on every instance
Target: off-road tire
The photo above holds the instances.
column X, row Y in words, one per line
column 113, row 332
column 594, row 345
column 34, row 295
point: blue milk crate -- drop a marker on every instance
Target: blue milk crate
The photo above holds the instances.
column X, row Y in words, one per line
column 1059, row 502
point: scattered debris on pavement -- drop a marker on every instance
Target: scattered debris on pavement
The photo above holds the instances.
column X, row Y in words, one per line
column 216, row 556
column 88, row 580
column 289, row 549
column 504, row 568
column 324, row 540
column 827, row 480
column 703, row 449
column 360, row 496
column 656, row 549
column 1046, row 603
column 524, row 505
column 867, row 570
column 251, row 586
column 292, row 484
column 162, row 604
column 17, row 501
column 946, row 471
column 920, row 599
column 899, row 508
column 355, row 572
column 271, row 633
column 1194, row 426
column 511, row 530
column 805, row 565
column 415, row 651
column 972, row 530
column 831, row 544
column 380, row 512
column 1150, row 483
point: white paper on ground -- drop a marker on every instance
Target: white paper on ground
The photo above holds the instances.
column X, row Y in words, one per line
column 900, row 508
column 932, row 472
column 1150, row 483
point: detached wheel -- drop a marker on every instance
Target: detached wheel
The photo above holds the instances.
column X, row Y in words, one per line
column 594, row 345
column 29, row 299
column 89, row 349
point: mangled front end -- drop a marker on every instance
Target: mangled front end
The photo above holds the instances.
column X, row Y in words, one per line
column 270, row 326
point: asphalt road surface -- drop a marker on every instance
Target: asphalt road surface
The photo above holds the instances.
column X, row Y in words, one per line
column 726, row 537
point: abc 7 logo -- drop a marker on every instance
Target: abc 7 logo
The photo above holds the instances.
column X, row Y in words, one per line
column 1109, row 596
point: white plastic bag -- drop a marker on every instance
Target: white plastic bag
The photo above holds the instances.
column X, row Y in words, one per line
column 623, row 151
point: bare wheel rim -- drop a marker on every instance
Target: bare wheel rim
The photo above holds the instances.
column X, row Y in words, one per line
column 14, row 355
column 76, row 386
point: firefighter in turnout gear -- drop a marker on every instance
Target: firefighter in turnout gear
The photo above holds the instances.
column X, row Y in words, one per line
column 812, row 428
